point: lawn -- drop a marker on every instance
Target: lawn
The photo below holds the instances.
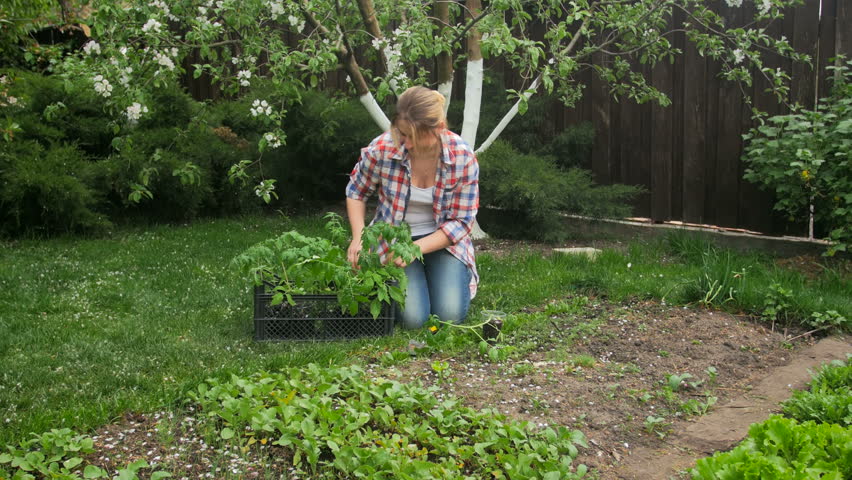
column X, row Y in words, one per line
column 132, row 321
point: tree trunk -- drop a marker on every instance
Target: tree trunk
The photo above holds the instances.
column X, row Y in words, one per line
column 444, row 63
column 473, row 80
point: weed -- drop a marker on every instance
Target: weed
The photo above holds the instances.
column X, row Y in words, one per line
column 694, row 407
column 777, row 303
column 675, row 382
column 656, row 425
column 524, row 368
column 583, row 361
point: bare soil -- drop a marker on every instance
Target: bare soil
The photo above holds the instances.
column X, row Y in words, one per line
column 611, row 395
column 605, row 382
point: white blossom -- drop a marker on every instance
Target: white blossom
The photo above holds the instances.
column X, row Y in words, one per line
column 260, row 107
column 4, row 80
column 243, row 76
column 235, row 60
column 272, row 140
column 734, row 3
column 152, row 25
column 135, row 111
column 764, row 6
column 102, row 86
column 276, row 8
column 739, row 56
column 296, row 22
column 164, row 60
column 92, row 48
column 163, row 7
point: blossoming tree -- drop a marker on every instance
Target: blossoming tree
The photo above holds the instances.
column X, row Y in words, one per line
column 386, row 45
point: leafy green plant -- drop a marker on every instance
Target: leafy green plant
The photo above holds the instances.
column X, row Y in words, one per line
column 777, row 304
column 674, row 381
column 441, row 368
column 805, row 158
column 294, row 264
column 828, row 320
column 656, row 425
column 829, row 398
column 695, row 407
column 58, row 454
column 783, row 448
column 339, row 422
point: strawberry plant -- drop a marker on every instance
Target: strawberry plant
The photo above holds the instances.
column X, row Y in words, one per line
column 58, row 454
column 340, row 423
column 294, row 264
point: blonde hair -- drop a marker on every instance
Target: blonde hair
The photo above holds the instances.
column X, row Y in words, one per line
column 420, row 109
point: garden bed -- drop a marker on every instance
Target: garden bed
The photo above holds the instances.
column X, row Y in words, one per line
column 603, row 372
column 606, row 373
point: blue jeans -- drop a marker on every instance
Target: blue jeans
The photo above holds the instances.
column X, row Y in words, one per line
column 438, row 285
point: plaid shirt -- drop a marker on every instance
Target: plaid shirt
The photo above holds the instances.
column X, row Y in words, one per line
column 386, row 168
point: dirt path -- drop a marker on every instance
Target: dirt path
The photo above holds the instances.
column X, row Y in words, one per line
column 728, row 424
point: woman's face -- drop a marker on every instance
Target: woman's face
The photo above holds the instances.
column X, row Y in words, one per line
column 426, row 141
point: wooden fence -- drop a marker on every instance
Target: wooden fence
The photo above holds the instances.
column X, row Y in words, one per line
column 687, row 155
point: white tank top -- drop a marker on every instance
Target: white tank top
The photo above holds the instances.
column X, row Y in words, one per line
column 419, row 214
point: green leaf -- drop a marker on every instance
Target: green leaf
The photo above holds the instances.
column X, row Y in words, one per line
column 72, row 462
column 92, row 471
column 226, row 433
column 160, row 475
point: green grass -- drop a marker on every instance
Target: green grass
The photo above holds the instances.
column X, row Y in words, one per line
column 680, row 269
column 94, row 327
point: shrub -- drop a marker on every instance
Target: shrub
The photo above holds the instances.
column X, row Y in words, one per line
column 55, row 111
column 46, row 189
column 529, row 192
column 805, row 158
column 324, row 140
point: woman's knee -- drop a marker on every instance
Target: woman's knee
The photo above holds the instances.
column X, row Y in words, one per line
column 413, row 316
column 451, row 308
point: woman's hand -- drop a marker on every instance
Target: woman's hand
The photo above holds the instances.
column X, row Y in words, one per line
column 353, row 252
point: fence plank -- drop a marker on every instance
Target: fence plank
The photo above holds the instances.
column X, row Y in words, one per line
column 694, row 134
column 662, row 79
column 726, row 178
column 677, row 112
column 826, row 45
column 804, row 40
column 602, row 121
column 843, row 26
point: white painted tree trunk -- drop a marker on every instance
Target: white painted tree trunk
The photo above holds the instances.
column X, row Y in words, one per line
column 472, row 101
column 446, row 89
column 375, row 111
column 508, row 117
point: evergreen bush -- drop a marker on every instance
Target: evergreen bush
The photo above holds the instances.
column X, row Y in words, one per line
column 46, row 189
column 524, row 195
column 324, row 140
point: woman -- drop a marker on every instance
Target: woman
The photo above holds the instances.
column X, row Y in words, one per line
column 426, row 176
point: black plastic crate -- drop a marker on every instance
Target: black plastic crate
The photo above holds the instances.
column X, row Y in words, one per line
column 316, row 317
